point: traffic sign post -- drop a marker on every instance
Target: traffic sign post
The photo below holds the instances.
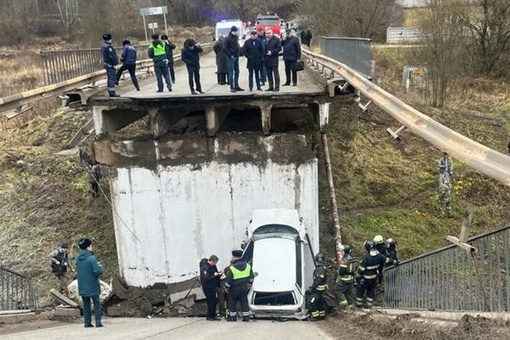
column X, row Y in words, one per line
column 153, row 11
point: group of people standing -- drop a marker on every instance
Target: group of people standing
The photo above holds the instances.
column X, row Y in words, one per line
column 355, row 284
column 262, row 51
column 230, row 285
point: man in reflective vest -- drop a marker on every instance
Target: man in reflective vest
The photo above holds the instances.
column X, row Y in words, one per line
column 237, row 284
column 157, row 52
column 317, row 306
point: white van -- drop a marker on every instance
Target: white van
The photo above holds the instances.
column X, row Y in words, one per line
column 224, row 26
column 281, row 256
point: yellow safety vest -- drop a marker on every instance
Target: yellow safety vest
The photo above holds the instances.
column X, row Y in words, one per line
column 240, row 274
column 158, row 50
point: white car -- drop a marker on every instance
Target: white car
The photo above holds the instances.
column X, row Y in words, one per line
column 281, row 256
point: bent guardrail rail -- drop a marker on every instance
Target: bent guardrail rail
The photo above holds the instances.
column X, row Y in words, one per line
column 480, row 157
column 27, row 97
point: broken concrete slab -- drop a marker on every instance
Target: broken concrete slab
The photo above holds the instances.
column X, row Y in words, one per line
column 63, row 299
column 67, row 312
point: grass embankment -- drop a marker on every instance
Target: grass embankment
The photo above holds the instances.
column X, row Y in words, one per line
column 390, row 190
column 381, row 188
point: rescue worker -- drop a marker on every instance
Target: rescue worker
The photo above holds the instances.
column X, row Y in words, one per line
column 237, row 284
column 367, row 274
column 157, row 52
column 380, row 246
column 445, row 199
column 344, row 288
column 445, row 168
column 110, row 63
column 317, row 305
column 391, row 245
column 210, row 281
column 128, row 59
column 169, row 49
column 59, row 258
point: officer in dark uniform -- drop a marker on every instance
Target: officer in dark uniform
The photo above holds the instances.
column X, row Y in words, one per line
column 110, row 63
column 237, row 284
column 210, row 281
column 344, row 289
column 317, row 306
column 367, row 274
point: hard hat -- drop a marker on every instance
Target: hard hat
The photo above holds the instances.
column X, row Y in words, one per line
column 369, row 244
column 346, row 248
column 320, row 258
column 391, row 242
column 378, row 239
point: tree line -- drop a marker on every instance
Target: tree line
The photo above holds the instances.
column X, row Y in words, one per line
column 460, row 37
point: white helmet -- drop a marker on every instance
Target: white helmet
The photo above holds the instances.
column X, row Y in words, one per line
column 378, row 239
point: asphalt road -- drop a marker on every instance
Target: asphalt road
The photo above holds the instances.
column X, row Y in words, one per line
column 178, row 328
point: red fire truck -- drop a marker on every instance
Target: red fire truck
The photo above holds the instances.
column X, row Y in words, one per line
column 269, row 20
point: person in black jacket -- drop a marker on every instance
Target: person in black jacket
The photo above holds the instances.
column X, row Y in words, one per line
column 291, row 53
column 254, row 52
column 273, row 47
column 169, row 49
column 221, row 61
column 210, row 280
column 190, row 55
column 128, row 59
column 232, row 50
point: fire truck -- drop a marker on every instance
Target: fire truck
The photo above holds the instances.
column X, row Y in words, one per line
column 269, row 20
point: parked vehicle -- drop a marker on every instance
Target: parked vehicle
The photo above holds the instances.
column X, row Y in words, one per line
column 281, row 256
column 272, row 21
column 224, row 26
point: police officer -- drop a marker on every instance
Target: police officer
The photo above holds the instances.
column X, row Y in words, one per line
column 110, row 63
column 344, row 289
column 317, row 306
column 210, row 281
column 237, row 284
column 157, row 52
column 128, row 58
column 367, row 274
column 169, row 48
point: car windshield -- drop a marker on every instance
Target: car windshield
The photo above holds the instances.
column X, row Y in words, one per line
column 276, row 231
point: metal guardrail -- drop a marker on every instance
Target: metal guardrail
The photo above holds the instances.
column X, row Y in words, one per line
column 490, row 162
column 16, row 101
column 452, row 279
column 16, row 291
column 62, row 65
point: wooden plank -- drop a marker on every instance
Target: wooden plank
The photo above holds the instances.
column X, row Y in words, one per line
column 63, row 299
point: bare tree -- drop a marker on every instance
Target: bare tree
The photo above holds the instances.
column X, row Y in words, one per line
column 443, row 36
column 489, row 24
column 354, row 18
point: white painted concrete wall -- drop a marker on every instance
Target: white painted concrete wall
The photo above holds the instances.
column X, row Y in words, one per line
column 166, row 221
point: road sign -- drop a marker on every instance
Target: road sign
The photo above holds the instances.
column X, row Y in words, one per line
column 153, row 10
column 153, row 25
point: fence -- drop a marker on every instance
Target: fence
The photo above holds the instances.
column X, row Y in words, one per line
column 353, row 52
column 452, row 279
column 64, row 65
column 16, row 291
column 398, row 35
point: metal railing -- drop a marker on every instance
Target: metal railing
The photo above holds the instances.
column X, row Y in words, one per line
column 16, row 291
column 63, row 65
column 452, row 279
column 488, row 161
